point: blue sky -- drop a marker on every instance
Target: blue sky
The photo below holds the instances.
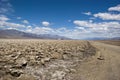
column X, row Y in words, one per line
column 76, row 19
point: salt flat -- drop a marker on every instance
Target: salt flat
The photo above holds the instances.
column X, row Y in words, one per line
column 33, row 59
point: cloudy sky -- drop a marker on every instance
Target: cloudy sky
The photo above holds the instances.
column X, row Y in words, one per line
column 76, row 19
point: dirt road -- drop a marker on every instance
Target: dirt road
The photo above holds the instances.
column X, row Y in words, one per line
column 106, row 69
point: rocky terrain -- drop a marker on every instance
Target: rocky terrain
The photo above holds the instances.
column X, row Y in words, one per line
column 22, row 59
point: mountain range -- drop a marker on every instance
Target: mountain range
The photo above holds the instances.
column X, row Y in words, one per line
column 103, row 38
column 16, row 34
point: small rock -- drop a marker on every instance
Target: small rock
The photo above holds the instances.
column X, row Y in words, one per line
column 82, row 49
column 42, row 62
column 56, row 55
column 65, row 57
column 15, row 73
column 37, row 58
column 22, row 62
column 72, row 70
column 100, row 58
column 46, row 59
column 58, row 75
column 32, row 57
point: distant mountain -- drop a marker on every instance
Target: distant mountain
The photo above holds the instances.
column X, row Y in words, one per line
column 15, row 34
column 115, row 38
column 103, row 38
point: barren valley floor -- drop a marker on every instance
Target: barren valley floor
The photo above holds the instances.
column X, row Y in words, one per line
column 23, row 59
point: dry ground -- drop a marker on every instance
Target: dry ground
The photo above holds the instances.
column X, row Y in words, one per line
column 112, row 42
column 58, row 60
column 106, row 69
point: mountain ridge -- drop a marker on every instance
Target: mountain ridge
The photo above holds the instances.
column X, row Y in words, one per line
column 16, row 34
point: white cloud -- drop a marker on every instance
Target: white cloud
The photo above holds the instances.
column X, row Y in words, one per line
column 87, row 13
column 83, row 23
column 3, row 18
column 11, row 25
column 90, row 24
column 102, row 29
column 84, row 29
column 4, row 23
column 29, row 27
column 108, row 16
column 80, row 28
column 47, row 30
column 40, row 30
column 25, row 22
column 45, row 23
column 115, row 8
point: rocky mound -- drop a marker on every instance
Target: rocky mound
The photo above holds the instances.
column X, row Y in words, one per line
column 42, row 59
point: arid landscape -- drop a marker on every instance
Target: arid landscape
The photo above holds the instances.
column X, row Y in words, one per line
column 34, row 59
column 59, row 39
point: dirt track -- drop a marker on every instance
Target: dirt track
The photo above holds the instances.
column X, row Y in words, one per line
column 107, row 69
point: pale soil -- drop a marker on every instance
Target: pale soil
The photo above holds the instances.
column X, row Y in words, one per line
column 107, row 69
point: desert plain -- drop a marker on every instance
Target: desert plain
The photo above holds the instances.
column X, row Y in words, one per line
column 35, row 59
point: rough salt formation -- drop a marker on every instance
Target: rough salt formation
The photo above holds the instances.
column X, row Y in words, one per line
column 42, row 59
